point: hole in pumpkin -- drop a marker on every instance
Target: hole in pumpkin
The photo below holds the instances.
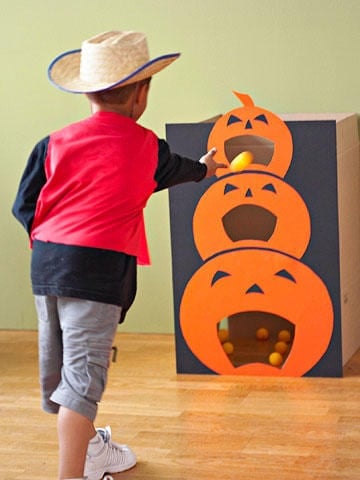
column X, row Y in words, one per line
column 249, row 222
column 260, row 147
column 240, row 331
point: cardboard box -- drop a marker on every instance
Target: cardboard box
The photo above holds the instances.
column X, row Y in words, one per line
column 325, row 171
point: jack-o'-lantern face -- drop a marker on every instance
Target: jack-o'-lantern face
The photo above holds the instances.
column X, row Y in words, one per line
column 251, row 210
column 255, row 129
column 246, row 283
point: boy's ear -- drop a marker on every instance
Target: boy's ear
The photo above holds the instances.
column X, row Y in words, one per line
column 142, row 91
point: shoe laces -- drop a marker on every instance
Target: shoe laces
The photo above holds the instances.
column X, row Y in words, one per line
column 114, row 449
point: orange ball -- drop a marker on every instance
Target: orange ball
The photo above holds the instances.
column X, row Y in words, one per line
column 284, row 336
column 228, row 348
column 275, row 359
column 241, row 161
column 262, row 333
column 223, row 335
column 281, row 347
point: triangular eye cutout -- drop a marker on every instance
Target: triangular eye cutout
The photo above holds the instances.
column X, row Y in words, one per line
column 261, row 118
column 270, row 187
column 218, row 275
column 254, row 289
column 285, row 274
column 233, row 119
column 229, row 188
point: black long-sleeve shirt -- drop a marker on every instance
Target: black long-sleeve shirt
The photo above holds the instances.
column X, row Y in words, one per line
column 78, row 269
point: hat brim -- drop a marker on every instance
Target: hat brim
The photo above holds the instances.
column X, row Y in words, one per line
column 64, row 73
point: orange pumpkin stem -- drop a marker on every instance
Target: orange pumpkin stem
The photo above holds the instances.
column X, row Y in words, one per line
column 245, row 99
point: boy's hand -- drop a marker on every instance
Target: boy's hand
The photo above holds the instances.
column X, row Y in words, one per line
column 211, row 164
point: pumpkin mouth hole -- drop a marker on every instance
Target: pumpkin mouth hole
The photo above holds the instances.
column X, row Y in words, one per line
column 262, row 148
column 246, row 348
column 249, row 222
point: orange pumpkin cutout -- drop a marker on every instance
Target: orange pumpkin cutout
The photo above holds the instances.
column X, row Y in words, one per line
column 257, row 280
column 251, row 210
column 252, row 128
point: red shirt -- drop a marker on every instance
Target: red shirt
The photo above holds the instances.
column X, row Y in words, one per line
column 100, row 174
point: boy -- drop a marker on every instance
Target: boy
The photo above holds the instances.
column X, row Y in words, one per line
column 81, row 200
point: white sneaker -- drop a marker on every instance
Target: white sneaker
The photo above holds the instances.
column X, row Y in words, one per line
column 105, row 456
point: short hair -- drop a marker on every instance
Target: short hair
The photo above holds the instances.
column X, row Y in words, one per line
column 116, row 96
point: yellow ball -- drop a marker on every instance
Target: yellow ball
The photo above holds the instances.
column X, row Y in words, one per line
column 284, row 336
column 262, row 333
column 223, row 335
column 275, row 359
column 281, row 347
column 228, row 347
column 241, row 161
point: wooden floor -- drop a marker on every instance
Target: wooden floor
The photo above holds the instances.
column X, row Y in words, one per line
column 189, row 427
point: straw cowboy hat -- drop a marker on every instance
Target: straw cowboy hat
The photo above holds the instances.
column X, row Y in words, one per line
column 108, row 60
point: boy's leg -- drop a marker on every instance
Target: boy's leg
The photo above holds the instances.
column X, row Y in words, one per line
column 50, row 349
column 76, row 338
column 50, row 365
column 88, row 330
column 74, row 431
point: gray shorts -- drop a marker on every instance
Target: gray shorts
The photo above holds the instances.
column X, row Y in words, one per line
column 75, row 341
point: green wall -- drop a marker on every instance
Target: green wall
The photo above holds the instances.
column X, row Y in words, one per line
column 289, row 55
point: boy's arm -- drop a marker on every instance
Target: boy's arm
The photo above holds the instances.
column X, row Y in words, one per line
column 174, row 169
column 30, row 186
